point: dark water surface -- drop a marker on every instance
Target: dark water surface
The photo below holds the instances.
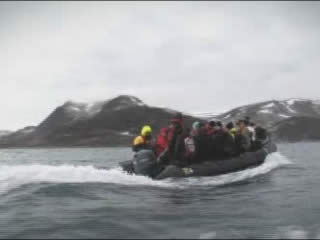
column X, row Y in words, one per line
column 80, row 193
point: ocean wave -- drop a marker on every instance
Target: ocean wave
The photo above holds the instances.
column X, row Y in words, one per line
column 13, row 176
column 283, row 232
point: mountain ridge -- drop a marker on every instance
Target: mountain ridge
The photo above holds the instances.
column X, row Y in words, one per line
column 116, row 121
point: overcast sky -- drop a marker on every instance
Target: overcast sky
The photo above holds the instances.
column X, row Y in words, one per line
column 189, row 56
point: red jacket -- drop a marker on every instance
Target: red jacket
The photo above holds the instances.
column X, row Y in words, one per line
column 209, row 130
column 162, row 141
column 166, row 135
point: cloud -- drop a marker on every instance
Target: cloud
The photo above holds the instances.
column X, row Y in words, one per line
column 192, row 56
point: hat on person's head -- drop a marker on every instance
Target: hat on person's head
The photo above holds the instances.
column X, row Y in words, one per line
column 177, row 118
column 178, row 115
column 247, row 120
column 146, row 130
column 195, row 125
column 229, row 125
column 164, row 131
column 212, row 123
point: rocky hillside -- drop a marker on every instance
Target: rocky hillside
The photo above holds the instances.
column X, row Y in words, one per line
column 270, row 112
column 116, row 121
column 109, row 123
column 4, row 133
column 297, row 129
column 288, row 120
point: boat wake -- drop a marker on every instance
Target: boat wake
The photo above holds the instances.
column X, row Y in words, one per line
column 15, row 176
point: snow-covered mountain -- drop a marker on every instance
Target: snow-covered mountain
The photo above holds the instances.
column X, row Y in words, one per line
column 207, row 115
column 115, row 122
column 111, row 122
column 293, row 119
column 269, row 113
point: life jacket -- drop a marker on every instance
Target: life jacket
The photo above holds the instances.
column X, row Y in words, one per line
column 140, row 142
column 233, row 132
column 162, row 141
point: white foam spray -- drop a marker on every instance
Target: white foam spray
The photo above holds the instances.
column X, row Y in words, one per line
column 13, row 176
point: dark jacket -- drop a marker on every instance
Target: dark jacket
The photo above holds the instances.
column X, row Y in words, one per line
column 202, row 145
column 242, row 142
column 222, row 145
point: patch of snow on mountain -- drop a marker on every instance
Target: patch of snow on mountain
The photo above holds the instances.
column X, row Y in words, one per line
column 291, row 110
column 27, row 130
column 288, row 106
column 136, row 101
column 78, row 110
column 207, row 114
column 126, row 133
column 265, row 111
column 291, row 101
column 93, row 108
column 270, row 105
column 284, row 116
column 242, row 110
column 74, row 108
column 128, row 102
column 316, row 102
column 227, row 116
column 119, row 107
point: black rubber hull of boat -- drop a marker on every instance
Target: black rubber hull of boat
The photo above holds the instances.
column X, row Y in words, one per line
column 239, row 163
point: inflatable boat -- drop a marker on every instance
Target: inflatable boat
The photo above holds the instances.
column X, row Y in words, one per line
column 144, row 163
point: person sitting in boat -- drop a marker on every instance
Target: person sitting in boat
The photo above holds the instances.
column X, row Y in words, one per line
column 194, row 131
column 210, row 127
column 176, row 146
column 242, row 137
column 143, row 141
column 200, row 137
column 261, row 137
column 161, row 142
column 173, row 142
column 190, row 147
column 219, row 125
column 231, row 129
column 222, row 144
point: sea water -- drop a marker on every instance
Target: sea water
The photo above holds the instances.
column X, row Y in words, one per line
column 82, row 193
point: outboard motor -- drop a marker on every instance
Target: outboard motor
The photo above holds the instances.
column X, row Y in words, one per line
column 144, row 163
column 127, row 166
